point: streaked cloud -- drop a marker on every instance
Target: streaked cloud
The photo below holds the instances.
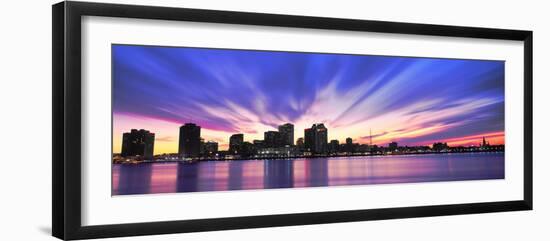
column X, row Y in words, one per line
column 409, row 100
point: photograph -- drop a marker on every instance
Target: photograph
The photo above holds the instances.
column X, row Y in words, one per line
column 195, row 119
column 295, row 120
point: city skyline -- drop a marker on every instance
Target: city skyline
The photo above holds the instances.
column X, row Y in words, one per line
column 414, row 101
column 277, row 144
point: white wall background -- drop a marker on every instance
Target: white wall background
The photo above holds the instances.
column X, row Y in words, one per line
column 25, row 107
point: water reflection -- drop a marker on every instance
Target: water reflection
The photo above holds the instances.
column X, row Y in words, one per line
column 162, row 178
column 314, row 172
column 132, row 179
column 187, row 177
column 278, row 174
column 317, row 172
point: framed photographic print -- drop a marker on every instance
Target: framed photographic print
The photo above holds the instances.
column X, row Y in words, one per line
column 170, row 120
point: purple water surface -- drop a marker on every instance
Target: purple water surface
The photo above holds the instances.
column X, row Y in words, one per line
column 304, row 172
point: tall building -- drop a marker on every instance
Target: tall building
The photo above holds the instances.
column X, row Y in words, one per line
column 189, row 140
column 440, row 146
column 202, row 150
column 316, row 138
column 393, row 146
column 247, row 149
column 309, row 139
column 334, row 146
column 287, row 134
column 138, row 143
column 349, row 145
column 321, row 138
column 235, row 142
column 273, row 139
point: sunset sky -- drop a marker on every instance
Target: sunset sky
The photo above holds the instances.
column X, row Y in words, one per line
column 414, row 101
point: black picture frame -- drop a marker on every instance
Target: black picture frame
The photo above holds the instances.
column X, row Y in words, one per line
column 66, row 158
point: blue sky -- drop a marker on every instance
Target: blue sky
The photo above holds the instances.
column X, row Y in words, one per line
column 409, row 100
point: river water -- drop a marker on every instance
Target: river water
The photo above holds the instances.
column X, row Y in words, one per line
column 170, row 177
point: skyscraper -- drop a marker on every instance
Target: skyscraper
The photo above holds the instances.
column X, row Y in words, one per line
column 287, row 134
column 138, row 143
column 189, row 140
column 272, row 139
column 202, row 149
column 308, row 139
column 235, row 142
column 349, row 145
column 334, row 146
column 440, row 146
column 321, row 138
column 316, row 138
column 393, row 146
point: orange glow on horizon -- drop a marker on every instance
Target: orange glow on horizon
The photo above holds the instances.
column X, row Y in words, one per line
column 166, row 135
column 494, row 138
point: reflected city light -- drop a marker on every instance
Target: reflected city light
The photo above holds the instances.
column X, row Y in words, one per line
column 304, row 172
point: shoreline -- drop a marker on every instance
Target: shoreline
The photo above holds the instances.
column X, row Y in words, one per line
column 298, row 157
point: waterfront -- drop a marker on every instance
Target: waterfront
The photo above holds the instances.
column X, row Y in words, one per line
column 170, row 177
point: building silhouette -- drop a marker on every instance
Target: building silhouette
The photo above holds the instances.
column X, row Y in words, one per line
column 258, row 144
column 334, row 146
column 393, row 146
column 309, row 139
column 235, row 142
column 440, row 146
column 316, row 138
column 210, row 148
column 138, row 143
column 349, row 145
column 202, row 149
column 485, row 143
column 189, row 140
column 246, row 149
column 300, row 142
column 273, row 139
column 287, row 134
column 139, row 146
